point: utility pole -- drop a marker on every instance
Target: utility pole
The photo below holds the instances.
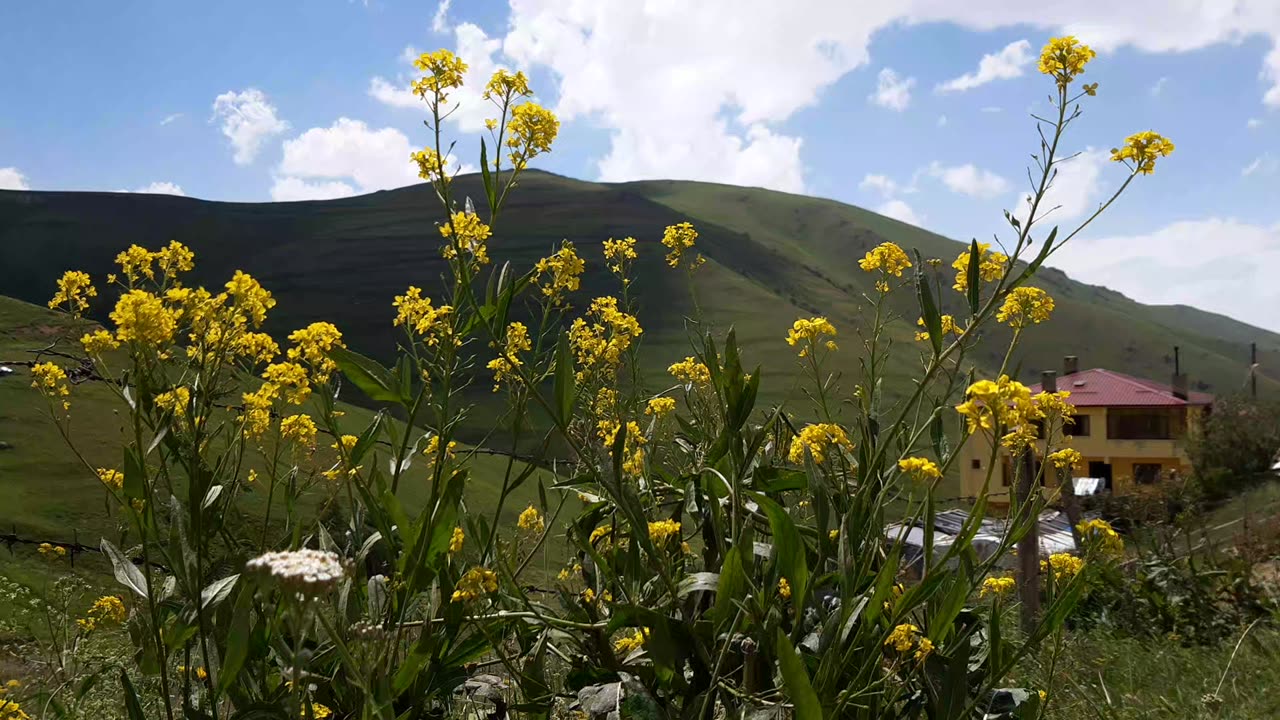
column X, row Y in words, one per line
column 1253, row 370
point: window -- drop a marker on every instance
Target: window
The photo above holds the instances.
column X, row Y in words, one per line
column 1146, row 473
column 1079, row 426
column 1140, row 424
column 976, row 464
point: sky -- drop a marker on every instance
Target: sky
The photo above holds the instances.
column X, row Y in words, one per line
column 917, row 109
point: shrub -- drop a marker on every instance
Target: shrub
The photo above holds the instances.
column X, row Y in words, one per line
column 1234, row 445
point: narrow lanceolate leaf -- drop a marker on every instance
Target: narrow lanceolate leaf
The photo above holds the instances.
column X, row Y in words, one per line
column 486, row 176
column 135, row 477
column 131, row 704
column 928, row 308
column 974, row 275
column 564, row 382
column 796, row 679
column 237, row 638
column 366, row 374
column 126, row 572
column 217, row 591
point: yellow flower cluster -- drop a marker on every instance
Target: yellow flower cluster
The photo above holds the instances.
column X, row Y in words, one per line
column 320, row 711
column 887, row 258
column 444, row 71
column 249, row 297
column 531, row 520
column 113, row 479
column 475, row 583
column 1142, row 149
column 1064, row 58
column 990, row 266
column 1065, row 458
column 1099, row 533
column 1004, row 404
column 135, row 263
column 142, row 318
column 600, row 343
column 1063, row 565
column 677, row 239
column 258, row 348
column 430, row 164
column 996, row 586
column 1025, row 306
column 52, row 551
column 416, row 313
column 504, row 85
column 51, row 381
column 920, row 468
column 106, row 609
column 784, row 589
column 74, row 290
column 817, row 440
column 621, row 253
column 199, row 671
column 660, row 531
column 291, row 378
column 175, row 401
column 903, row 638
column 632, row 642
column 98, row 342
column 455, row 540
column 468, row 234
column 312, row 344
column 11, row 709
column 660, row 406
column 808, row 333
column 565, row 269
column 1054, row 405
column 300, row 430
column 505, row 367
column 530, row 133
column 256, row 415
column 690, row 371
column 175, row 258
column 632, row 450
column 949, row 327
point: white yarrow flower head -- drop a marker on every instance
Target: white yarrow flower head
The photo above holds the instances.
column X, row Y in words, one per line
column 308, row 572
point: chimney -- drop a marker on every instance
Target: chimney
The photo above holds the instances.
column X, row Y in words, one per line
column 1049, row 381
column 1179, row 384
column 1070, row 365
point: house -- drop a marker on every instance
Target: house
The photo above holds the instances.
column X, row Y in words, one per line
column 1130, row 432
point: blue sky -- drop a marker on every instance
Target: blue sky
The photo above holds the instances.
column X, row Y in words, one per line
column 890, row 106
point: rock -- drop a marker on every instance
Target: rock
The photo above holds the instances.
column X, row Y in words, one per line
column 5, row 446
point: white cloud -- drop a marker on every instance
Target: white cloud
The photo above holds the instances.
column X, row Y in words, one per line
column 899, row 210
column 1158, row 87
column 1253, row 123
column 400, row 96
column 440, row 21
column 942, row 121
column 248, row 120
column 969, row 180
column 11, row 179
column 1216, row 264
column 1075, row 189
column 170, row 118
column 1003, row 65
column 892, row 91
column 882, row 184
column 158, row 188
column 467, row 106
column 1264, row 164
column 287, row 189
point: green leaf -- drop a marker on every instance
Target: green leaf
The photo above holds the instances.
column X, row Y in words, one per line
column 974, row 276
column 487, row 176
column 699, row 581
column 796, row 680
column 131, row 704
column 368, row 438
column 928, row 308
column 788, row 548
column 135, row 477
column 237, row 638
column 732, row 585
column 373, row 380
column 217, row 591
column 126, row 572
column 564, row 380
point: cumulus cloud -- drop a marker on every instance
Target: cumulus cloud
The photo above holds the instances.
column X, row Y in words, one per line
column 969, row 180
column 288, row 189
column 1158, row 87
column 892, row 91
column 388, row 93
column 11, row 179
column 942, row 121
column 158, row 188
column 1253, row 123
column 900, row 210
column 882, row 184
column 1075, row 190
column 440, row 21
column 248, row 120
column 467, row 108
column 1217, row 264
column 1264, row 164
column 1003, row 65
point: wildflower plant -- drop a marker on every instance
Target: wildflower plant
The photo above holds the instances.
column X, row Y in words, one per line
column 720, row 558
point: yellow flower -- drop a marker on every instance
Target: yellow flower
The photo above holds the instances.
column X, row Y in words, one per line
column 505, row 85
column 175, row 258
column 346, row 444
column 318, row 711
column 599, row 344
column 250, row 298
column 1005, row 402
column 632, row 453
column 1054, row 405
column 1025, row 306
column 252, row 477
column 833, row 534
column 997, row 586
column 662, row 530
column 690, row 371
column 565, row 268
column 430, row 165
column 629, row 643
column 433, row 448
column 256, row 347
column 1065, row 458
column 660, row 406
column 1063, row 565
column 113, row 479
column 886, row 257
column 1142, row 149
column 98, row 342
column 589, row 596
column 291, row 378
column 456, row 540
column 199, row 672
column 1064, row 58
column 1099, row 533
column 256, row 415
column 677, row 239
column 175, row 401
column 143, row 318
column 925, row 647
column 505, row 367
column 600, row 532
column 531, row 520
column 817, row 439
column 54, row 552
column 470, row 235
column 990, row 266
column 312, row 345
column 108, row 609
column 530, row 133
column 784, row 589
column 476, row 582
column 921, row 468
column 444, row 71
column 949, row 327
column 74, row 290
column 50, row 380
column 621, row 253
column 903, row 638
column 299, row 429
column 416, row 313
column 808, row 333
column 135, row 263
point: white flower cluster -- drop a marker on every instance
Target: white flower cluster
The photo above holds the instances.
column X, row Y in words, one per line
column 309, row 572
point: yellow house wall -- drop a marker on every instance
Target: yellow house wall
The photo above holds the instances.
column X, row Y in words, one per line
column 1121, row 454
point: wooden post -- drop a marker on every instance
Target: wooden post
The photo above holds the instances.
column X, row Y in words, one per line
column 1253, row 370
column 1070, row 503
column 1029, row 545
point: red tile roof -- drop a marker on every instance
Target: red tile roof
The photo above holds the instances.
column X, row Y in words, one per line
column 1108, row 388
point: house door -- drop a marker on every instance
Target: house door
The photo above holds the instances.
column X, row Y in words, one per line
column 1101, row 470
